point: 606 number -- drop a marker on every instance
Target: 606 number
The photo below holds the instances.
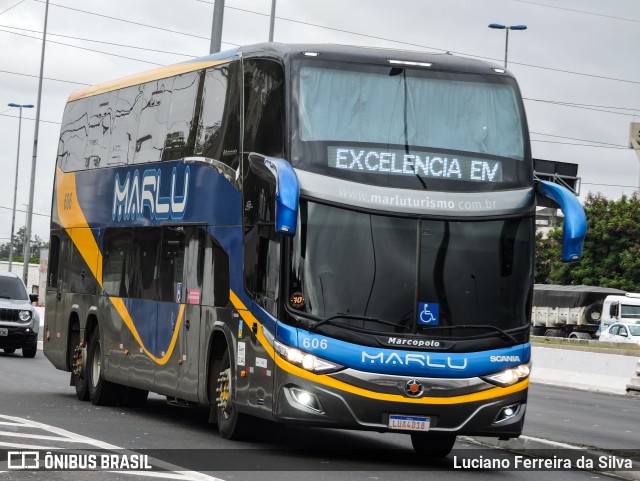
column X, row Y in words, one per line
column 314, row 343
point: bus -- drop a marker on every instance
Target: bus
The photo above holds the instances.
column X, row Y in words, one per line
column 321, row 235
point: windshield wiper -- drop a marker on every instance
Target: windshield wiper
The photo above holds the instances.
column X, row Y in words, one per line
column 5, row 297
column 504, row 334
column 357, row 318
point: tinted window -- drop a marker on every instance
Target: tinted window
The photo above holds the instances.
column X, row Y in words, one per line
column 100, row 125
column 171, row 264
column 144, row 258
column 73, row 135
column 125, row 127
column 54, row 259
column 219, row 125
column 153, row 120
column 181, row 127
column 12, row 288
column 264, row 107
column 115, row 269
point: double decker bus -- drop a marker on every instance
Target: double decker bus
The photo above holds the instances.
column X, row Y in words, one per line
column 317, row 234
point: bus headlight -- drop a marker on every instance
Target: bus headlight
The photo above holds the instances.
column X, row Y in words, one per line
column 304, row 360
column 509, row 377
column 24, row 316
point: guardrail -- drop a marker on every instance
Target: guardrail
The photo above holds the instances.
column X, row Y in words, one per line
column 586, row 364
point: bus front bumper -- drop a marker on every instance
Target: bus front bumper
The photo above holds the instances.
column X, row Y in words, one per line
column 461, row 407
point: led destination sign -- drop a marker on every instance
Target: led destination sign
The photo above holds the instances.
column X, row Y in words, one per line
column 424, row 164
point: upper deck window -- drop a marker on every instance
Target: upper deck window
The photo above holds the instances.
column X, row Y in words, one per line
column 370, row 123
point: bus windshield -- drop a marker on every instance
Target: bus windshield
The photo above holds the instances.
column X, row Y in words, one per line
column 378, row 272
column 408, row 127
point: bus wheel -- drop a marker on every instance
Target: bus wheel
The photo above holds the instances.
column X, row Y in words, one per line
column 231, row 423
column 101, row 391
column 435, row 445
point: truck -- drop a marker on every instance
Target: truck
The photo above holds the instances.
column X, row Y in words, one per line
column 580, row 312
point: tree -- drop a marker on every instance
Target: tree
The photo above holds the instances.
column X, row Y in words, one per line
column 611, row 256
column 18, row 247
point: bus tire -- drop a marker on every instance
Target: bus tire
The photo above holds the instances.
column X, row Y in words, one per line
column 78, row 382
column 231, row 423
column 101, row 391
column 435, row 445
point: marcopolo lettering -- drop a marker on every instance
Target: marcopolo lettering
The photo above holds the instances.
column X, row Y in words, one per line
column 422, row 164
column 413, row 342
column 139, row 195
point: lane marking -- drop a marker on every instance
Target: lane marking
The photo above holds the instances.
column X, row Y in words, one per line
column 26, row 446
column 40, row 436
column 179, row 472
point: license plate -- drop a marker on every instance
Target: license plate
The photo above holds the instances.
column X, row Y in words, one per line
column 409, row 423
column 4, row 331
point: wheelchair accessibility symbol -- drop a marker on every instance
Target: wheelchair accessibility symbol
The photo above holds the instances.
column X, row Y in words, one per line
column 428, row 314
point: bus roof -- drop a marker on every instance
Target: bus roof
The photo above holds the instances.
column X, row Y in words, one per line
column 346, row 53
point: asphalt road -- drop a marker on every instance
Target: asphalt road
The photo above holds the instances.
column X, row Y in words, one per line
column 38, row 409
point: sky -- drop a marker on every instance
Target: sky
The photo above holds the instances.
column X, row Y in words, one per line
column 582, row 52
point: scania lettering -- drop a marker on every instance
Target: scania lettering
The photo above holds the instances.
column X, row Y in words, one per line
column 317, row 239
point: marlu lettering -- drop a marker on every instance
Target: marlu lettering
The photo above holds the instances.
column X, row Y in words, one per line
column 140, row 194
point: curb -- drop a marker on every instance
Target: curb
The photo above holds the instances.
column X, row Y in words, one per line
column 533, row 446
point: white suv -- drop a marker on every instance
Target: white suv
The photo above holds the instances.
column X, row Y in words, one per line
column 19, row 320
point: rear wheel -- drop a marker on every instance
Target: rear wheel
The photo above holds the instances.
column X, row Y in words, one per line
column 101, row 391
column 231, row 423
column 435, row 445
column 9, row 351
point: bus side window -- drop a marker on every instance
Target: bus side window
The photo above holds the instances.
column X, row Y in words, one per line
column 262, row 265
column 54, row 261
column 115, row 264
column 99, row 134
column 170, row 285
column 125, row 126
column 264, row 107
column 73, row 135
column 153, row 121
column 181, row 127
column 144, row 262
column 219, row 121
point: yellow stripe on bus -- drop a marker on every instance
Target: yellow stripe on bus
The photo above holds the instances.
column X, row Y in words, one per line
column 73, row 220
column 118, row 303
column 156, row 74
column 328, row 381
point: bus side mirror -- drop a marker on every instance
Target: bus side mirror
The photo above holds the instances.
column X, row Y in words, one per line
column 575, row 221
column 273, row 169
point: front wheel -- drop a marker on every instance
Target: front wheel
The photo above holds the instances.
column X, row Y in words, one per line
column 30, row 350
column 437, row 445
column 101, row 391
column 231, row 423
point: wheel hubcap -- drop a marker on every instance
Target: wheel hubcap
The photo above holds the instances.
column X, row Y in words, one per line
column 224, row 390
column 96, row 365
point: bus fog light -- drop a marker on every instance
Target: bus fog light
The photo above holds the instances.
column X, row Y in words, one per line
column 508, row 377
column 305, row 398
column 507, row 412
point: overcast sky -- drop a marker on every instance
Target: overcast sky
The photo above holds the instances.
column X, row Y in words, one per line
column 591, row 38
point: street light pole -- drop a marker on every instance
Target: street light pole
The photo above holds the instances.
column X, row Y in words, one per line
column 32, row 185
column 216, row 26
column 15, row 188
column 506, row 28
column 272, row 20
